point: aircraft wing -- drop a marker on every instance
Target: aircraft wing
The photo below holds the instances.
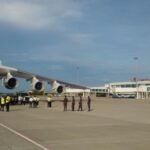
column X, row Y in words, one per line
column 4, row 71
column 29, row 76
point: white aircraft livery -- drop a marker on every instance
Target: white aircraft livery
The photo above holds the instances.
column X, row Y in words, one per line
column 9, row 77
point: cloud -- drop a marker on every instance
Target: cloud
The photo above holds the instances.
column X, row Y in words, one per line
column 36, row 15
column 55, row 67
column 82, row 38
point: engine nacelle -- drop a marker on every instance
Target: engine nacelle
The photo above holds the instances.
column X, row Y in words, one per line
column 9, row 81
column 37, row 85
column 57, row 87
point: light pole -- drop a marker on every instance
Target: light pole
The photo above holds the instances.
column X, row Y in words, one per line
column 136, row 68
column 136, row 76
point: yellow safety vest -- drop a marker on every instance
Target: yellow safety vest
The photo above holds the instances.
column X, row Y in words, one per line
column 7, row 99
column 12, row 99
column 2, row 101
column 49, row 99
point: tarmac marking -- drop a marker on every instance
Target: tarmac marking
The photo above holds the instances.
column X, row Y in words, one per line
column 24, row 137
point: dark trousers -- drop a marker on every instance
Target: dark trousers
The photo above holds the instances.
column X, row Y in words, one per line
column 7, row 106
column 30, row 104
column 2, row 107
column 73, row 107
column 89, row 107
column 80, row 107
column 49, row 104
column 65, row 107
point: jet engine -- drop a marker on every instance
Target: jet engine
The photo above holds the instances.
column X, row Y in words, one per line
column 9, row 81
column 37, row 85
column 57, row 87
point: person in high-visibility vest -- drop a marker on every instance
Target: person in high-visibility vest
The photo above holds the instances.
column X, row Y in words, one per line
column 2, row 103
column 49, row 101
column 7, row 103
column 12, row 100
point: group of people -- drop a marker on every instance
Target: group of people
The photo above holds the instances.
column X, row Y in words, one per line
column 4, row 102
column 80, row 103
column 33, row 101
column 73, row 103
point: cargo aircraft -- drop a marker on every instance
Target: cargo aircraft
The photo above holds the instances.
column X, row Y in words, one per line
column 9, row 77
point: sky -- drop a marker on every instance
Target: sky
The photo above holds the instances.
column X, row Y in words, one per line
column 88, row 42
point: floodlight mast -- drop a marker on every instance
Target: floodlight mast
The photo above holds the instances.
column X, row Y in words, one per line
column 136, row 76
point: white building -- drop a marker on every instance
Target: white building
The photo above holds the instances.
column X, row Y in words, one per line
column 132, row 89
column 77, row 92
column 99, row 91
column 139, row 89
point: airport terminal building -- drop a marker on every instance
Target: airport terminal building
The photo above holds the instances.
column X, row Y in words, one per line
column 131, row 89
column 77, row 92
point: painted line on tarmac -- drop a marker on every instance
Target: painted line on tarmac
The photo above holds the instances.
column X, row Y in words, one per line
column 24, row 137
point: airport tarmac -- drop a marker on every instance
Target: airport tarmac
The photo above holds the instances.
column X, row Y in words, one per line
column 113, row 124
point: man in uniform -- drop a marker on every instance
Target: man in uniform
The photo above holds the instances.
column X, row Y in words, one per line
column 49, row 101
column 65, row 103
column 7, row 103
column 34, row 101
column 73, row 103
column 2, row 103
column 30, row 101
column 80, row 104
column 89, row 103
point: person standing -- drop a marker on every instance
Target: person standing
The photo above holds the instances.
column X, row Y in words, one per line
column 34, row 101
column 80, row 104
column 65, row 103
column 89, row 103
column 37, row 101
column 2, row 103
column 73, row 103
column 30, row 101
column 49, row 101
column 7, row 103
column 20, row 99
column 12, row 100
